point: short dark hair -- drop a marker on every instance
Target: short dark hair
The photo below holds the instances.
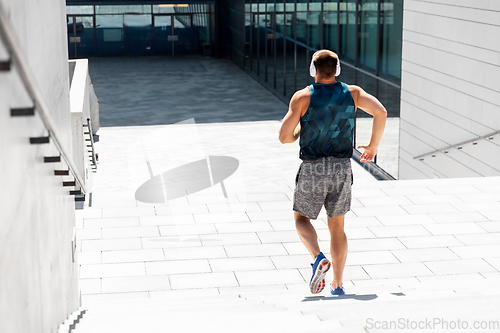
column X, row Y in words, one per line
column 326, row 64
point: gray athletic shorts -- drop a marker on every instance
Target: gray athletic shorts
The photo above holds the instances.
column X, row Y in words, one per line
column 326, row 181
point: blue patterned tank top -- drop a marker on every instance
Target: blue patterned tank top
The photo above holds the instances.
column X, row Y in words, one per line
column 328, row 125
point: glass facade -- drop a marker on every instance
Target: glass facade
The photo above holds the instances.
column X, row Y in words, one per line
column 281, row 35
column 134, row 30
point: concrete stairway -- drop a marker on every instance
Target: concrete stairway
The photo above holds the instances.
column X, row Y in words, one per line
column 221, row 313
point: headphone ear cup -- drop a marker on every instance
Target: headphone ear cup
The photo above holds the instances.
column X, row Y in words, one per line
column 312, row 70
column 337, row 70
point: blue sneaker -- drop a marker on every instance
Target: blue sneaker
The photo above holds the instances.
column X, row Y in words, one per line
column 337, row 291
column 320, row 267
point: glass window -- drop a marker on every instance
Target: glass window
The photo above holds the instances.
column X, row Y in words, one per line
column 348, row 28
column 392, row 30
column 71, row 10
column 129, row 9
column 330, row 14
column 368, row 35
column 314, row 34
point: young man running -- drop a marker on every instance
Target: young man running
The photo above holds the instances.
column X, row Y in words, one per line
column 323, row 114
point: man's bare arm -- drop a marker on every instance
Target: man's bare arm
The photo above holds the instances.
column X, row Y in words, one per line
column 370, row 105
column 290, row 127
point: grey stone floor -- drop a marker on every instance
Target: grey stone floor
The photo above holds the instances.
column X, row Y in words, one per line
column 165, row 90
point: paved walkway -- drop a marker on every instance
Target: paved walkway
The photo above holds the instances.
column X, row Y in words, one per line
column 413, row 245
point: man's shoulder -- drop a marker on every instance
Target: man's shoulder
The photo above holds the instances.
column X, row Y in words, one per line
column 302, row 94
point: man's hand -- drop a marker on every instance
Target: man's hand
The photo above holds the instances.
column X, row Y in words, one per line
column 368, row 153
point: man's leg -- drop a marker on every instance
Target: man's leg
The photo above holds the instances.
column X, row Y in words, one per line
column 338, row 248
column 307, row 234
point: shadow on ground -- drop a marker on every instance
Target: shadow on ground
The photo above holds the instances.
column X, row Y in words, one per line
column 136, row 91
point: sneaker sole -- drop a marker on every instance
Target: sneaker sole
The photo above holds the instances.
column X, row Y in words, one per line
column 318, row 281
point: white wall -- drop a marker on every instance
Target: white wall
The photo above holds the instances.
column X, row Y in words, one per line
column 450, row 88
column 38, row 279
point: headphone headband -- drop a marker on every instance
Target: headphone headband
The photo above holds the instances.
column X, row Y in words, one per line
column 312, row 68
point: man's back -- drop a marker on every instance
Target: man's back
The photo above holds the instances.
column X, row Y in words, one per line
column 327, row 126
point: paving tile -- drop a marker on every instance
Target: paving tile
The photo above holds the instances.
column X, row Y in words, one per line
column 90, row 286
column 355, row 273
column 91, row 257
column 492, row 215
column 233, row 207
column 111, row 244
column 419, row 255
column 430, row 208
column 271, row 216
column 477, row 251
column 454, row 189
column 458, row 217
column 166, row 242
column 367, row 192
column 230, row 239
column 254, row 250
column 390, row 282
column 188, row 229
column 376, row 211
column 112, row 270
column 400, row 231
column 490, row 226
column 359, row 233
column 278, row 237
column 478, row 206
column 79, row 223
column 225, row 228
column 374, row 244
column 177, row 267
column 135, row 284
column 251, row 289
column 94, row 233
column 296, row 248
column 264, row 277
column 128, row 211
column 111, row 222
column 433, row 199
column 113, row 297
column 275, row 205
column 241, row 264
column 382, row 271
column 181, row 210
column 495, row 262
column 405, row 219
column 282, row 225
column 130, row 232
column 384, row 201
column 88, row 213
column 215, row 198
column 454, row 228
column 205, row 280
column 370, row 257
column 167, row 219
column 444, row 267
column 421, row 242
column 356, row 222
column 221, row 217
column 203, row 252
column 261, row 197
column 184, row 293
column 292, row 261
column 407, row 191
column 109, row 257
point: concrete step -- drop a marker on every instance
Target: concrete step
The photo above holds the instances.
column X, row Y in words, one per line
column 220, row 321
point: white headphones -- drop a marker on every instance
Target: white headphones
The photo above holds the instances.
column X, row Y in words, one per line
column 312, row 68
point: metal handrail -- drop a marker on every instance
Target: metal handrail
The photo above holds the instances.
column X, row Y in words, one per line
column 89, row 127
column 457, row 145
column 17, row 58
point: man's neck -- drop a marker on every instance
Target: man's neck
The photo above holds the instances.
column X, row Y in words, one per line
column 325, row 81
